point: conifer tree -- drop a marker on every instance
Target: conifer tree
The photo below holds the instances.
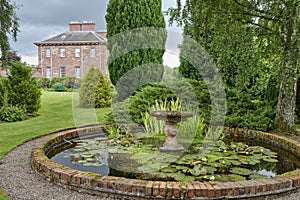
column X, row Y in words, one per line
column 123, row 18
column 102, row 95
column 88, row 88
column 23, row 89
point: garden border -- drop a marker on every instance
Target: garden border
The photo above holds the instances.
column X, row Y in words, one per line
column 123, row 188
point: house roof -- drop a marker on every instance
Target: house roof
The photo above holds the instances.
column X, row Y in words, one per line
column 73, row 37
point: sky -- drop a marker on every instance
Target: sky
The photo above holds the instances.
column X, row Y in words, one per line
column 41, row 19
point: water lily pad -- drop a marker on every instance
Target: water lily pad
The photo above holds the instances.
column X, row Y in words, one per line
column 240, row 171
column 90, row 159
column 183, row 178
column 169, row 169
column 257, row 176
column 145, row 169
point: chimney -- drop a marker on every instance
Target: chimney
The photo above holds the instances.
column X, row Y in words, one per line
column 75, row 26
column 88, row 26
column 82, row 26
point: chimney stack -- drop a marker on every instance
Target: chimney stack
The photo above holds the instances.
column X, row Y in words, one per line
column 82, row 26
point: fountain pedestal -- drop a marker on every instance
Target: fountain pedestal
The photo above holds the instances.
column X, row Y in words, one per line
column 171, row 118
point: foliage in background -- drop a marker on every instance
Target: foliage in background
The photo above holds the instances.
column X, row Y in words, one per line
column 67, row 83
column 125, row 17
column 148, row 96
column 250, row 42
column 244, row 110
column 9, row 27
column 23, row 90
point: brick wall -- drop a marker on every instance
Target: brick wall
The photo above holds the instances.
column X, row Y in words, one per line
column 85, row 61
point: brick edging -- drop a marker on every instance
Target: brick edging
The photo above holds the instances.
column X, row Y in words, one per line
column 124, row 188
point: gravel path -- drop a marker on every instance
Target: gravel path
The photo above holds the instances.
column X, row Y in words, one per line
column 21, row 182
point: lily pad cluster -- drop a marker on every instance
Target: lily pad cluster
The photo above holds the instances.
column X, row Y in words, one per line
column 225, row 162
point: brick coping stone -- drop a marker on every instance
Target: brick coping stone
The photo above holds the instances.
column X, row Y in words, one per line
column 124, row 188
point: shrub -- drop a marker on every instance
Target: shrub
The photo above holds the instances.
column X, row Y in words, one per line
column 23, row 89
column 120, row 113
column 11, row 113
column 247, row 111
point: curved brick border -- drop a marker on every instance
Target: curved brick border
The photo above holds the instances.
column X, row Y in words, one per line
column 123, row 188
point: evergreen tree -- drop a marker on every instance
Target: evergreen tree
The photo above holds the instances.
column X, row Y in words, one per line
column 9, row 25
column 103, row 94
column 23, row 89
column 88, row 88
column 126, row 43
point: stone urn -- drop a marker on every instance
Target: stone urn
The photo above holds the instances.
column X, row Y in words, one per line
column 171, row 118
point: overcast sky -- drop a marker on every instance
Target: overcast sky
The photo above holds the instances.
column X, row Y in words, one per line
column 41, row 19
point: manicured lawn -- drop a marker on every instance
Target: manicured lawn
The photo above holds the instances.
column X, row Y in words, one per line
column 55, row 114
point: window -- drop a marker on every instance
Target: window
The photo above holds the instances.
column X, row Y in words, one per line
column 62, row 72
column 77, row 52
column 62, row 52
column 93, row 52
column 48, row 52
column 48, row 72
column 77, row 72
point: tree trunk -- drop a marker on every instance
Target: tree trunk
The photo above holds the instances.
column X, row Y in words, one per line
column 284, row 120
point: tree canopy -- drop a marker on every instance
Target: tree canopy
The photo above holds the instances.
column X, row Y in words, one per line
column 9, row 26
column 251, row 42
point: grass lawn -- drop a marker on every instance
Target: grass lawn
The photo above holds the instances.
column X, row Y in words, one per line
column 55, row 114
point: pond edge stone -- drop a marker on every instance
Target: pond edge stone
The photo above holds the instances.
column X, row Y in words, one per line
column 124, row 188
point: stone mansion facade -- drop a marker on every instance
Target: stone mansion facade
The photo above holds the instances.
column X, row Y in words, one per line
column 72, row 53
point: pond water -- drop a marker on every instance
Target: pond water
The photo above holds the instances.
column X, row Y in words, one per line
column 142, row 160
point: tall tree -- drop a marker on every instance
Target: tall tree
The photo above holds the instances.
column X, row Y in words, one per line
column 9, row 25
column 274, row 32
column 136, row 50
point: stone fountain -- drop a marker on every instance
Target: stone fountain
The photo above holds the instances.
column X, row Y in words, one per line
column 171, row 118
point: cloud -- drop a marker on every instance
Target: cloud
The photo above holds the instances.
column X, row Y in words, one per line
column 40, row 19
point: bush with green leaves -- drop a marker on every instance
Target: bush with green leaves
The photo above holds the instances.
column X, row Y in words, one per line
column 247, row 111
column 10, row 113
column 23, row 89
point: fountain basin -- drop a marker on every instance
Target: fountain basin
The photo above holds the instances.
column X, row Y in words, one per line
column 124, row 188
